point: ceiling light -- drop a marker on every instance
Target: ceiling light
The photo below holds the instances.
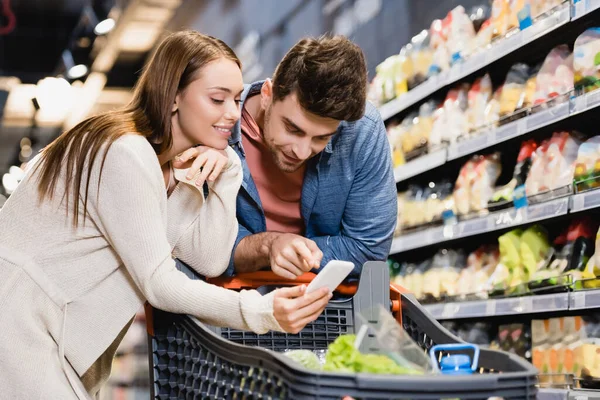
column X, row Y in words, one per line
column 104, row 27
column 77, row 71
column 17, row 173
column 10, row 183
column 51, row 92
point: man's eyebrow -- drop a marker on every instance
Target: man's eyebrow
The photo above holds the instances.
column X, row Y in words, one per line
column 289, row 122
column 328, row 134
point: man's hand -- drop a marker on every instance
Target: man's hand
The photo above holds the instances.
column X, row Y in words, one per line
column 292, row 255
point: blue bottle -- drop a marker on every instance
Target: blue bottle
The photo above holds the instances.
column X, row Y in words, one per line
column 455, row 364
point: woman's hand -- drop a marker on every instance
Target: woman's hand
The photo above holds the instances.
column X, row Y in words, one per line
column 210, row 160
column 294, row 309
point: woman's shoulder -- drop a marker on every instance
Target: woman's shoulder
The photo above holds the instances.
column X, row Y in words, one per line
column 132, row 152
column 135, row 147
column 134, row 142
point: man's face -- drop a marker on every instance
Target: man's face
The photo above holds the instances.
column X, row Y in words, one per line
column 294, row 135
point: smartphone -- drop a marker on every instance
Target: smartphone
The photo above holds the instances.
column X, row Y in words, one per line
column 331, row 275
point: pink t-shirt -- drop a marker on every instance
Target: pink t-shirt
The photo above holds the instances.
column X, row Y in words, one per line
column 280, row 192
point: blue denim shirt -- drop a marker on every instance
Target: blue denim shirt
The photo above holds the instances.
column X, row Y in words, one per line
column 349, row 197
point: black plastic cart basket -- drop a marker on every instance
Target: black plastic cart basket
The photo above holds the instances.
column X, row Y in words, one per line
column 190, row 360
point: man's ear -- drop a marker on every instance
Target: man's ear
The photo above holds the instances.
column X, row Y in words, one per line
column 266, row 94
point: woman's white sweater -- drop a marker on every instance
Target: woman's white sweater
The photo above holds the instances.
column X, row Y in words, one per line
column 121, row 254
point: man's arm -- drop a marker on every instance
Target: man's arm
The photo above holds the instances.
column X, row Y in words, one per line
column 252, row 252
column 369, row 218
column 287, row 254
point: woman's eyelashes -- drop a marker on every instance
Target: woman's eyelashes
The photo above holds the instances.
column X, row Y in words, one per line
column 219, row 101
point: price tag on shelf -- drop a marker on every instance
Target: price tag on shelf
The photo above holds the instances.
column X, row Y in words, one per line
column 450, row 310
column 508, row 131
column 525, row 304
column 473, row 227
column 577, row 300
column 507, row 45
column 592, row 99
column 490, row 307
column 591, row 199
column 579, row 8
column 546, row 117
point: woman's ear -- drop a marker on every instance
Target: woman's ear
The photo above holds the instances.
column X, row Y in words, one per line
column 176, row 104
column 266, row 94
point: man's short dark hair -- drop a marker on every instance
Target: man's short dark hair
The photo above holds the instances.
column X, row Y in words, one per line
column 328, row 76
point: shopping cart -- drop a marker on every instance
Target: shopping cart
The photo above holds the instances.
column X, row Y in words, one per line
column 190, row 360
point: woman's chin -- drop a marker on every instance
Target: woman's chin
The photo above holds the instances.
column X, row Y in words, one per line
column 215, row 144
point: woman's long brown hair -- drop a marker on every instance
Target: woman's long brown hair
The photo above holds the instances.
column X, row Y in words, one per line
column 172, row 68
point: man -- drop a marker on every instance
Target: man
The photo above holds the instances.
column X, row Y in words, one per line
column 318, row 182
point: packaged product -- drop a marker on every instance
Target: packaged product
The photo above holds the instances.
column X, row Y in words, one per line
column 409, row 140
column 553, row 164
column 555, row 76
column 455, row 113
column 421, row 56
column 487, row 172
column 423, row 125
column 395, row 133
column 535, row 179
column 592, row 268
column 462, row 187
column 513, row 90
column 510, row 272
column 586, row 59
column 414, row 207
column 561, row 158
column 437, row 42
column 479, row 14
column 540, row 7
column 479, row 96
column 480, row 265
column 587, row 167
column 438, row 130
column 460, row 33
column 531, row 87
column 504, row 17
column 492, row 110
column 540, row 332
column 483, row 37
column 385, row 81
column 533, row 248
column 505, row 194
column 442, row 277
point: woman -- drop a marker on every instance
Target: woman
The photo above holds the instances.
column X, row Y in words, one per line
column 89, row 234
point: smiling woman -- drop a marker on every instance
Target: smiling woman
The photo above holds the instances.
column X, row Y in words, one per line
column 89, row 234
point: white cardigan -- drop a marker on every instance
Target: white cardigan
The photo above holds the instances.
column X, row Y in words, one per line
column 103, row 271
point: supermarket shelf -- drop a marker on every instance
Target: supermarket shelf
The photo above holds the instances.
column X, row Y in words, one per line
column 420, row 165
column 513, row 129
column 492, row 222
column 478, row 61
column 585, row 201
column 552, row 394
column 495, row 135
column 536, row 304
column 584, row 300
column 567, row 394
column 500, row 307
column 583, row 7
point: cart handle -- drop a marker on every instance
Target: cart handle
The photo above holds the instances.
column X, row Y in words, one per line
column 254, row 280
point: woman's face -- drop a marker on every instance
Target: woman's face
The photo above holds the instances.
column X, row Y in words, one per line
column 204, row 113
